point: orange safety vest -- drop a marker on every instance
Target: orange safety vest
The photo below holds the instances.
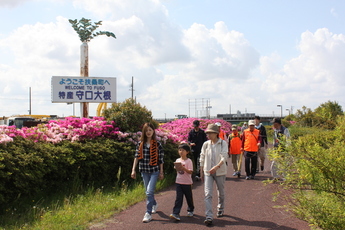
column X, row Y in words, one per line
column 222, row 135
column 251, row 140
column 235, row 144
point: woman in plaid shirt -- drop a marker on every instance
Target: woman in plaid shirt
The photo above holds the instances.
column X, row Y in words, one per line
column 149, row 154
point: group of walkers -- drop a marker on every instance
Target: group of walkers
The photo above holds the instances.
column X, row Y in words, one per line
column 210, row 150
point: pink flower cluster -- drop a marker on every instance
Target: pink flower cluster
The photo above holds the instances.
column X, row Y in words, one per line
column 73, row 129
column 179, row 129
column 76, row 129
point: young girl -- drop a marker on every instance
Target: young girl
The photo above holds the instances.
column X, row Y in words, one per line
column 184, row 182
column 149, row 154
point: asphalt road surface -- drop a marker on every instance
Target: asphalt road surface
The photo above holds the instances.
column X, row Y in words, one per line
column 249, row 205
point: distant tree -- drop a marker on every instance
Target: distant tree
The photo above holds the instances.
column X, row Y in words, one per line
column 326, row 115
column 304, row 117
column 288, row 119
column 129, row 115
column 85, row 29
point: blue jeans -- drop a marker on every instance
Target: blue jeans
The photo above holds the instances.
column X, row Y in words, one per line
column 150, row 180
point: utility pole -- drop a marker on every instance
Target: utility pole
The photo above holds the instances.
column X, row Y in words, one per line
column 29, row 100
column 132, row 87
column 281, row 110
column 288, row 110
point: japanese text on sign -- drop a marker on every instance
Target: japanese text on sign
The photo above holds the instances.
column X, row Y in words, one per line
column 83, row 89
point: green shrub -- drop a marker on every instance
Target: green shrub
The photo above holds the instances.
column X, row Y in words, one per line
column 129, row 115
column 314, row 164
column 28, row 168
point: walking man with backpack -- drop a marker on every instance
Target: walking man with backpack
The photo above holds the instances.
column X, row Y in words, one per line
column 264, row 143
column 280, row 139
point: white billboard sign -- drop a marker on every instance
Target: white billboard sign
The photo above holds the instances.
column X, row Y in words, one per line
column 83, row 89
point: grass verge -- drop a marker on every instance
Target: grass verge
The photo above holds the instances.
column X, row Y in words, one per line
column 79, row 211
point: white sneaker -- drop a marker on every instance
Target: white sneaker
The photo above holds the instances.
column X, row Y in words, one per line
column 154, row 208
column 190, row 214
column 147, row 218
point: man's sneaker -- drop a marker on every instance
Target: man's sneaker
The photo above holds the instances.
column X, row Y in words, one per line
column 175, row 217
column 235, row 174
column 252, row 177
column 247, row 177
column 190, row 214
column 262, row 168
column 154, row 208
column 147, row 218
column 208, row 221
column 238, row 174
column 197, row 178
column 220, row 213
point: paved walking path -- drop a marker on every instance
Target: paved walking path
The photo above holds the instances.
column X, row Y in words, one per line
column 248, row 206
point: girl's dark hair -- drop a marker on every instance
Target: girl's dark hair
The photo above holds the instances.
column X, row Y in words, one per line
column 143, row 137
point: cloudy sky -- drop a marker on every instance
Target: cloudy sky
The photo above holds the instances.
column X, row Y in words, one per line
column 237, row 55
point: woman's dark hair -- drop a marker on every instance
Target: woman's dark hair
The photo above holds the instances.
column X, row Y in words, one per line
column 143, row 137
column 277, row 120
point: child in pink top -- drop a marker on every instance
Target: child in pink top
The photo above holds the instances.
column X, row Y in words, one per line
column 183, row 182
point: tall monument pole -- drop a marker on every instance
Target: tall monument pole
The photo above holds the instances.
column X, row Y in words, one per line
column 84, row 72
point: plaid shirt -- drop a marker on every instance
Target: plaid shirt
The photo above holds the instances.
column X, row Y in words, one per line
column 144, row 164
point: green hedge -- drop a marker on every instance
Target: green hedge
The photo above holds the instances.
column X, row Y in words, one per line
column 314, row 166
column 28, row 168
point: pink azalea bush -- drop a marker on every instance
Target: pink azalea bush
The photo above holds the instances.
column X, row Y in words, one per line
column 292, row 122
column 75, row 129
column 180, row 128
column 72, row 129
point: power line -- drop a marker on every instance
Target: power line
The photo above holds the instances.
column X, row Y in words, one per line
column 24, row 99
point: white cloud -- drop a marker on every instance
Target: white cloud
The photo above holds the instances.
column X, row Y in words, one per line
column 12, row 3
column 170, row 65
column 334, row 13
column 219, row 60
column 219, row 52
column 313, row 77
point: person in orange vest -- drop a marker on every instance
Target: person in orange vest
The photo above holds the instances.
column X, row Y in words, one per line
column 251, row 142
column 235, row 144
column 222, row 134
